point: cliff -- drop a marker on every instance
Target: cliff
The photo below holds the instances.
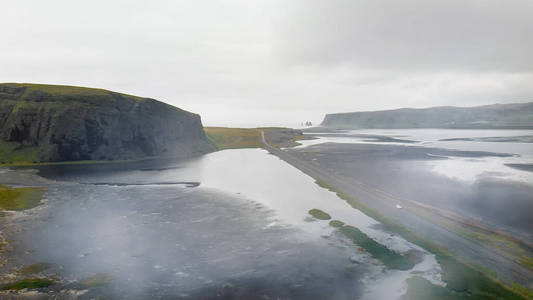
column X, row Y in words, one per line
column 497, row 116
column 48, row 123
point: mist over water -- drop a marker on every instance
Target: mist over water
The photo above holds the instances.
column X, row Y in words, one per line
column 172, row 241
column 466, row 171
column 233, row 223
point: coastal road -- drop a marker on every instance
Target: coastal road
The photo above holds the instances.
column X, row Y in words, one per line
column 506, row 269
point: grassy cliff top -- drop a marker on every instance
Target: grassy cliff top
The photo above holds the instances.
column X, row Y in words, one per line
column 32, row 92
column 235, row 138
column 62, row 90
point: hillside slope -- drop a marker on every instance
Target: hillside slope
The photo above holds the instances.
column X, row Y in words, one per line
column 508, row 116
column 47, row 123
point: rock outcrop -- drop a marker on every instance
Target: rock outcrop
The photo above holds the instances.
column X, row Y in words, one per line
column 41, row 123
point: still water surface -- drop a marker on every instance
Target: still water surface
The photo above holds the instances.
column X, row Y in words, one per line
column 243, row 231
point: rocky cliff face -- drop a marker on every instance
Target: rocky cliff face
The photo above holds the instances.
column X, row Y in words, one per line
column 61, row 123
column 504, row 116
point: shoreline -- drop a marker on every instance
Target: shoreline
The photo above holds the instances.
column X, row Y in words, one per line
column 390, row 224
column 240, row 212
column 325, row 180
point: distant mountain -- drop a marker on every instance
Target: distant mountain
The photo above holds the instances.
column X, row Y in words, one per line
column 42, row 123
column 504, row 116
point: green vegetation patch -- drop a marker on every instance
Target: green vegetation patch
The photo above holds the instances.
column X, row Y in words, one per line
column 35, row 268
column 464, row 278
column 520, row 290
column 421, row 289
column 389, row 258
column 19, row 198
column 73, row 162
column 284, row 137
column 22, row 164
column 97, row 280
column 12, row 153
column 414, row 256
column 526, row 261
column 507, row 245
column 66, row 90
column 29, row 283
column 457, row 274
column 319, row 214
column 336, row 223
column 234, row 138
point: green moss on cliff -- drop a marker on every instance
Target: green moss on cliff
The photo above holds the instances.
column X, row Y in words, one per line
column 53, row 123
column 11, row 153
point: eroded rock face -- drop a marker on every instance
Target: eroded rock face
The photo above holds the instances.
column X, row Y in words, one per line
column 59, row 123
column 496, row 116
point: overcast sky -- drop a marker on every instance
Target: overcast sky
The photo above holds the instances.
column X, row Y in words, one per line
column 251, row 63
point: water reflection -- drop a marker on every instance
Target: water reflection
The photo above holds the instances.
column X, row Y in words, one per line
column 484, row 175
column 243, row 232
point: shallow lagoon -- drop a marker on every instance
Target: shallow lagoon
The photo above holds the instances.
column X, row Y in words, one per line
column 245, row 230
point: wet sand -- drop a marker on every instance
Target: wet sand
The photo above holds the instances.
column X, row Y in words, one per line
column 400, row 170
column 506, row 269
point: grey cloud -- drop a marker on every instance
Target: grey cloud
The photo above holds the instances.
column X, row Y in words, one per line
column 477, row 35
column 276, row 62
